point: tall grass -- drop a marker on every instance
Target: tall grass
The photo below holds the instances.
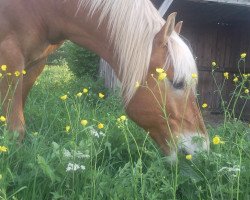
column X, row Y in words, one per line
column 118, row 161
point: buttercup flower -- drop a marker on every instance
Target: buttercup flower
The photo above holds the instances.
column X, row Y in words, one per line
column 246, row 91
column 235, row 79
column 245, row 76
column 217, row 140
column 2, row 119
column 64, row 97
column 226, row 75
column 159, row 70
column 1, row 75
column 101, row 96
column 137, row 84
column 24, row 72
column 67, row 129
column 4, row 67
column 123, row 118
column 100, row 126
column 79, row 94
column 9, row 74
column 243, row 55
column 189, row 157
column 204, row 105
column 214, row 64
column 194, row 76
column 85, row 90
column 162, row 76
column 17, row 73
column 3, row 149
column 84, row 122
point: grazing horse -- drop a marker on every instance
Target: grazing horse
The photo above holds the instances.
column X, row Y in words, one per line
column 132, row 37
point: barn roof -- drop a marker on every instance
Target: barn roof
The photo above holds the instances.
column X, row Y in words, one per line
column 210, row 11
column 233, row 2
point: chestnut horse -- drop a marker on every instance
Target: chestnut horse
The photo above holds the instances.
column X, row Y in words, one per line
column 131, row 36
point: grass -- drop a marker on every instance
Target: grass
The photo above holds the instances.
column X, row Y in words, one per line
column 119, row 161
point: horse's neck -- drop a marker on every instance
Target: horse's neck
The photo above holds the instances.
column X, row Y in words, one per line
column 76, row 26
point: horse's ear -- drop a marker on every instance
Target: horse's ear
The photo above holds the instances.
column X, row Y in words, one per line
column 178, row 27
column 167, row 29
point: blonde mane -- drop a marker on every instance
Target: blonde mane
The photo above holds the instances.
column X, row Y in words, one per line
column 132, row 26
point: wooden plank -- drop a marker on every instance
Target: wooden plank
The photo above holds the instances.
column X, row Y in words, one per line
column 164, row 7
column 233, row 2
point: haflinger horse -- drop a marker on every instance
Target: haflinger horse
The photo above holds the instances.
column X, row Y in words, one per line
column 131, row 36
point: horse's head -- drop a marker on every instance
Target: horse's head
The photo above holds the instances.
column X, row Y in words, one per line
column 166, row 107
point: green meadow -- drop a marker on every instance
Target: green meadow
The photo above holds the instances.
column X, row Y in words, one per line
column 76, row 149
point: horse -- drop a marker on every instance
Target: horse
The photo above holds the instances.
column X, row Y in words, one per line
column 132, row 37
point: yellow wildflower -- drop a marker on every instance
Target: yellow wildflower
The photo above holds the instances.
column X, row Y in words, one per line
column 226, row 75
column 246, row 91
column 159, row 70
column 79, row 94
column 85, row 90
column 1, row 75
column 245, row 76
column 64, row 97
column 17, row 73
column 217, row 140
column 3, row 67
column 67, row 129
column 243, row 55
column 162, row 76
column 100, row 126
column 3, row 149
column 9, row 74
column 204, row 105
column 137, row 84
column 214, row 64
column 235, row 79
column 2, row 118
column 35, row 133
column 194, row 76
column 84, row 122
column 123, row 118
column 24, row 72
column 101, row 96
column 189, row 157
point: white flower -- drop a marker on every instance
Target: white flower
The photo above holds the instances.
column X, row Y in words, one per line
column 76, row 154
column 95, row 132
column 74, row 167
column 67, row 153
column 235, row 168
column 101, row 133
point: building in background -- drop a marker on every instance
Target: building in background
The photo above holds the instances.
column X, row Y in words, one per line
column 216, row 30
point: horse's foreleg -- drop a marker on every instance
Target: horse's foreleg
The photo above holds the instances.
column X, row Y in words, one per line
column 29, row 79
column 11, row 84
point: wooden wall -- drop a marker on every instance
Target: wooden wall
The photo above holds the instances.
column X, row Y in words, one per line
column 222, row 44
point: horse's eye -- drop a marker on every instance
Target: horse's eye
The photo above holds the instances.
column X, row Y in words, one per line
column 178, row 85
